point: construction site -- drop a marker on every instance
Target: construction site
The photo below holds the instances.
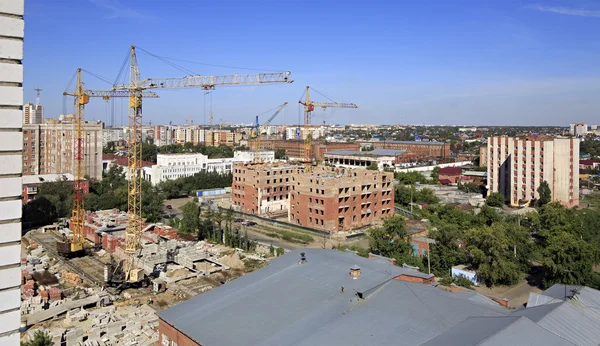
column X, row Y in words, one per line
column 97, row 278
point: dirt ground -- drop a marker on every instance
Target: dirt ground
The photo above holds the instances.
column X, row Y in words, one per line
column 517, row 295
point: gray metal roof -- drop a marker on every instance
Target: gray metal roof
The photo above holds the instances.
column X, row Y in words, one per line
column 496, row 331
column 287, row 303
column 405, row 142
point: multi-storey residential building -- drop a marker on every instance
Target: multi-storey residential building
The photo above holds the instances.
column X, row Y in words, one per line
column 517, row 166
column 579, row 130
column 338, row 199
column 33, row 114
column 298, row 132
column 250, row 156
column 174, row 166
column 164, row 135
column 48, row 148
column 11, row 145
column 262, row 188
column 295, row 149
column 117, row 135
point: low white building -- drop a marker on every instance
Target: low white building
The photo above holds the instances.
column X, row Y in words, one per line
column 174, row 166
column 248, row 156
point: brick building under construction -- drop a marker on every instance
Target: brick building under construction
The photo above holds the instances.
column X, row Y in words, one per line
column 325, row 198
column 338, row 199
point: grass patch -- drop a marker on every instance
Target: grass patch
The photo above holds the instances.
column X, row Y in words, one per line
column 288, row 235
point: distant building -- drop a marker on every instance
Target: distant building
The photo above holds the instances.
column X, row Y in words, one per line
column 483, row 159
column 33, row 114
column 31, row 183
column 383, row 158
column 589, row 164
column 116, row 135
column 424, row 150
column 579, row 130
column 48, row 148
column 298, row 132
column 449, row 175
column 517, row 166
column 338, row 199
column 174, row 166
column 295, row 149
column 249, row 156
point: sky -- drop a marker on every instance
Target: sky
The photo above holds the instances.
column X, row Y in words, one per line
column 459, row 62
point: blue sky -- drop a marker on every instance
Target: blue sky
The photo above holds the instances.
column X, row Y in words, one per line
column 419, row 62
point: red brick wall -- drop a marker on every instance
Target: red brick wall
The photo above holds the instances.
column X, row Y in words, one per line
column 420, row 149
column 165, row 329
column 410, row 278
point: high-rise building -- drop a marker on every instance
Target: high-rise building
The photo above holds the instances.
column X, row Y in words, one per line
column 579, row 130
column 48, row 147
column 517, row 167
column 33, row 114
column 11, row 123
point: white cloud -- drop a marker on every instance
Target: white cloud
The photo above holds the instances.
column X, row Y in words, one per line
column 565, row 10
column 118, row 10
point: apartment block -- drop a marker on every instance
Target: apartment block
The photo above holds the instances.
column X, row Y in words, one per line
column 339, row 199
column 48, row 148
column 263, row 188
column 295, row 149
column 164, row 135
column 517, row 166
column 33, row 114
column 174, row 166
column 11, row 123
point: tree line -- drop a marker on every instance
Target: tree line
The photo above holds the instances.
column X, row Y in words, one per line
column 54, row 200
column 561, row 244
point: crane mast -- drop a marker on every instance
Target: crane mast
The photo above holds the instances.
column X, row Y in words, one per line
column 309, row 107
column 75, row 245
column 136, row 86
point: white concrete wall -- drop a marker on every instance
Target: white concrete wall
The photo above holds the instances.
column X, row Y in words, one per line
column 11, row 125
column 430, row 168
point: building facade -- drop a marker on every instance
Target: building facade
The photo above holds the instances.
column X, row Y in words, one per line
column 423, row 150
column 11, row 145
column 116, row 135
column 517, row 166
column 31, row 184
column 174, row 166
column 33, row 114
column 338, row 199
column 383, row 158
column 578, row 130
column 49, row 148
column 262, row 188
column 250, row 156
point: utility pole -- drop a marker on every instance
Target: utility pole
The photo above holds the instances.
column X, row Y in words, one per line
column 428, row 259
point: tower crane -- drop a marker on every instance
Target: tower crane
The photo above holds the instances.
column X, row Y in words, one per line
column 309, row 107
column 75, row 245
column 257, row 131
column 134, row 187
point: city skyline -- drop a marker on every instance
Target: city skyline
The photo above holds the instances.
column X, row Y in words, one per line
column 509, row 63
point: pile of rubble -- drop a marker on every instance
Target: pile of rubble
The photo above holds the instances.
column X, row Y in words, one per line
column 71, row 278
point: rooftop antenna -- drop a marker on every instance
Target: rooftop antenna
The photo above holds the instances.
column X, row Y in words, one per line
column 37, row 96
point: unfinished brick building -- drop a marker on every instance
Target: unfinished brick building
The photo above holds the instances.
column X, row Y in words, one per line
column 262, row 188
column 338, row 199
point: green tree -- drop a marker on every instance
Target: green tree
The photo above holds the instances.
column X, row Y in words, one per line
column 373, row 167
column 190, row 218
column 39, row 212
column 446, row 253
column 40, row 338
column 60, row 194
column 435, row 175
column 391, row 239
column 545, row 194
column 410, row 178
column 568, row 260
column 279, row 154
column 495, row 199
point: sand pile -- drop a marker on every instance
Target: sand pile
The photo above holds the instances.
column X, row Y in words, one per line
column 233, row 261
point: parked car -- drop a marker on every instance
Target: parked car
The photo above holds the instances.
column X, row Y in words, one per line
column 169, row 206
column 238, row 220
column 248, row 223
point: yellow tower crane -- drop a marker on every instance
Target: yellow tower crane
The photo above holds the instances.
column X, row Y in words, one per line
column 75, row 244
column 134, row 188
column 309, row 107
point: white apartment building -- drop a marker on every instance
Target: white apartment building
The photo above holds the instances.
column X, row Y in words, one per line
column 517, row 166
column 579, row 130
column 11, row 145
column 113, row 134
column 33, row 114
column 316, row 131
column 248, row 156
column 174, row 166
